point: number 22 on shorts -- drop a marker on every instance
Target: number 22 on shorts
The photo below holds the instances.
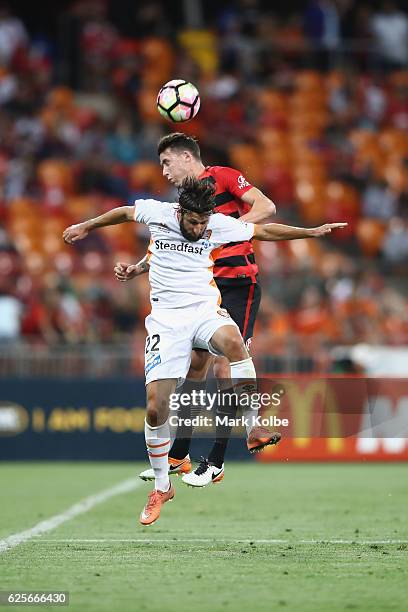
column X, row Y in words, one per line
column 152, row 352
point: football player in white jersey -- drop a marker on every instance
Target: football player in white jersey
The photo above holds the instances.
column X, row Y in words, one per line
column 185, row 305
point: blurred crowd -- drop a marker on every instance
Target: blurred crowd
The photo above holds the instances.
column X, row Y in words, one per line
column 311, row 106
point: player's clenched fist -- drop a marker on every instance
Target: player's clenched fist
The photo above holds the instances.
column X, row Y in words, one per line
column 75, row 232
column 125, row 272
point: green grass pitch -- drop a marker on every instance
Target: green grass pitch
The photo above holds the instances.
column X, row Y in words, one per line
column 269, row 537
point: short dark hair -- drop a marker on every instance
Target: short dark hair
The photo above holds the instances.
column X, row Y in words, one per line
column 181, row 142
column 196, row 196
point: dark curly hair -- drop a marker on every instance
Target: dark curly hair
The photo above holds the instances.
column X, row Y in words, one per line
column 196, row 196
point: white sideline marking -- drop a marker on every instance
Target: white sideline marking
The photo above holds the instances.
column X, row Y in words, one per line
column 79, row 508
column 213, row 541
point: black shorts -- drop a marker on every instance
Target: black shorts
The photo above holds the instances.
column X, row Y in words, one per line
column 242, row 303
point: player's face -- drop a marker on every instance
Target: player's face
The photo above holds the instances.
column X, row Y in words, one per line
column 193, row 225
column 175, row 165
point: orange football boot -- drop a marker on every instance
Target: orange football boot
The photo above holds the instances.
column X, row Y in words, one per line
column 156, row 499
column 259, row 437
column 176, row 466
column 180, row 466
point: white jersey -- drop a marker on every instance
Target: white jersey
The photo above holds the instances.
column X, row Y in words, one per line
column 181, row 272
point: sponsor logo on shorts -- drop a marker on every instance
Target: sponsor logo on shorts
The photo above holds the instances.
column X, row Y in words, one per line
column 152, row 363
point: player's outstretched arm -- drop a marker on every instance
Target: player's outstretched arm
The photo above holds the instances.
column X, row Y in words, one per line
column 125, row 271
column 122, row 214
column 277, row 231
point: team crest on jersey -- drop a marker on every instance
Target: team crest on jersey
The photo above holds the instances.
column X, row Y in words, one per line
column 223, row 313
column 206, row 239
column 242, row 182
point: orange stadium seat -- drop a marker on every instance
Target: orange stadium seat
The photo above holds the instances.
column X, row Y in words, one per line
column 53, row 243
column 394, row 142
column 146, row 103
column 271, row 100
column 308, row 191
column 246, row 158
column 61, row 98
column 396, row 175
column 26, row 243
column 316, row 174
column 370, row 235
column 158, row 62
column 53, row 226
column 56, row 173
column 270, row 137
column 307, row 154
column 303, row 135
column 342, row 204
column 80, row 207
column 48, row 117
column 313, row 213
column 311, row 200
column 309, row 80
column 147, row 176
column 335, row 79
column 347, row 196
column 122, row 237
column 360, row 138
column 279, row 156
column 371, row 155
column 25, row 225
column 308, row 119
column 23, row 208
column 157, row 52
column 314, row 101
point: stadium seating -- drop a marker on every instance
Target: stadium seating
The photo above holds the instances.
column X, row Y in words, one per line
column 303, row 136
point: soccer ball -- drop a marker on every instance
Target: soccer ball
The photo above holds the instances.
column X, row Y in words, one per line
column 178, row 100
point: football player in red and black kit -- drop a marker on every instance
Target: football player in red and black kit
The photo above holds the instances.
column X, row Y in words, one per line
column 236, row 275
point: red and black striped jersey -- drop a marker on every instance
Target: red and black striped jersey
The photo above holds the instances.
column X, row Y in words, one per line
column 236, row 264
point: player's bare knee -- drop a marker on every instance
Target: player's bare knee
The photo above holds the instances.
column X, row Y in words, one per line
column 152, row 416
column 157, row 412
column 234, row 348
column 157, row 407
